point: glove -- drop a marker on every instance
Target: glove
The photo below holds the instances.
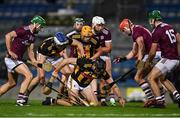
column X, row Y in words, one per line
column 119, row 59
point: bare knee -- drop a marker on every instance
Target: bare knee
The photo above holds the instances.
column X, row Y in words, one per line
column 29, row 76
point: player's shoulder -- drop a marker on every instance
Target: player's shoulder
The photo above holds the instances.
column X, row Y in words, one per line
column 106, row 31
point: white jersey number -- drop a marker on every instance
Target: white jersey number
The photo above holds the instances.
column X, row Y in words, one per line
column 171, row 35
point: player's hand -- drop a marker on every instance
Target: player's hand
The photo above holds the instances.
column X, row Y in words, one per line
column 122, row 101
column 13, row 55
column 119, row 59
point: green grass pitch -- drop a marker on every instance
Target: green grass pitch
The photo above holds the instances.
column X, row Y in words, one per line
column 8, row 109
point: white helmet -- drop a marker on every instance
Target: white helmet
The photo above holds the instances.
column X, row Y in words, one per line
column 98, row 20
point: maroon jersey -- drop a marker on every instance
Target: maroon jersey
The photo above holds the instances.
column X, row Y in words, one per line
column 145, row 33
column 22, row 41
column 165, row 36
column 103, row 37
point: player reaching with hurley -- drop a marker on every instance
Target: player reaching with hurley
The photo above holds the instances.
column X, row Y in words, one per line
column 168, row 40
column 141, row 47
column 85, row 71
column 17, row 42
column 51, row 50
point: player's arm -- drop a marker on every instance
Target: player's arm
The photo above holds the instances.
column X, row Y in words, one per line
column 79, row 46
column 31, row 53
column 130, row 55
column 101, row 50
column 63, row 63
column 97, row 54
column 9, row 36
column 178, row 42
column 107, row 48
column 64, row 53
column 141, row 48
column 133, row 52
column 152, row 52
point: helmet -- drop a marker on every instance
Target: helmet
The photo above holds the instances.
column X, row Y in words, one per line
column 39, row 20
column 86, row 31
column 125, row 24
column 100, row 65
column 98, row 20
column 155, row 14
column 79, row 20
column 60, row 38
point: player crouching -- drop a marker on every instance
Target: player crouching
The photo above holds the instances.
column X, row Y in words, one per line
column 85, row 71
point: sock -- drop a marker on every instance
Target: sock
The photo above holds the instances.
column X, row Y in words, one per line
column 103, row 98
column 159, row 98
column 147, row 90
column 162, row 92
column 28, row 92
column 176, row 95
column 21, row 97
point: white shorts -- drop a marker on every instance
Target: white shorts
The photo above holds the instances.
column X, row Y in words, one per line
column 157, row 56
column 72, row 84
column 167, row 65
column 12, row 64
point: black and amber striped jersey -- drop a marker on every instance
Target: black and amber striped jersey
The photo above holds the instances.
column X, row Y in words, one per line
column 49, row 48
column 84, row 74
column 89, row 48
column 74, row 35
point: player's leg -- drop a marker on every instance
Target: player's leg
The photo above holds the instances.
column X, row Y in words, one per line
column 53, row 101
column 23, row 70
column 90, row 96
column 40, row 77
column 12, row 80
column 109, row 71
column 73, row 90
column 159, row 71
column 145, row 87
column 12, row 75
column 171, row 88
